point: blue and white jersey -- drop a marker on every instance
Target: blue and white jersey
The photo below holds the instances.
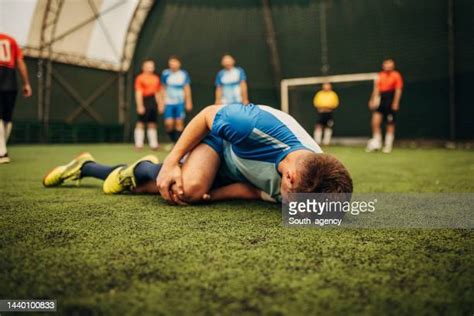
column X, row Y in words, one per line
column 229, row 81
column 174, row 83
column 256, row 138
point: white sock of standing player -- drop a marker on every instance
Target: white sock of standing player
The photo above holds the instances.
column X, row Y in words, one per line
column 389, row 138
column 377, row 137
column 139, row 136
column 318, row 134
column 152, row 136
column 8, row 131
column 327, row 136
column 3, row 144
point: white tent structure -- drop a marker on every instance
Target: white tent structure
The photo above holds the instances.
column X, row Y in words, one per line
column 93, row 33
column 99, row 34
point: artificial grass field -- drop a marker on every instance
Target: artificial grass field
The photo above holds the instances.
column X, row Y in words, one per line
column 115, row 255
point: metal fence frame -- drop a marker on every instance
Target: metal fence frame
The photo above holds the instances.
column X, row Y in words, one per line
column 48, row 74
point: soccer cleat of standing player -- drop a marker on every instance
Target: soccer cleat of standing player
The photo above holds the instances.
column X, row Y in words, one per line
column 69, row 172
column 4, row 159
column 123, row 178
column 373, row 144
column 387, row 148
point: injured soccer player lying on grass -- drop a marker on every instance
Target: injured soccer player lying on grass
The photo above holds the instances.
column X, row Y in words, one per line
column 226, row 152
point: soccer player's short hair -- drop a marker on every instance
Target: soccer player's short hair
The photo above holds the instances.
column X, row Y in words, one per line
column 146, row 60
column 388, row 59
column 322, row 173
column 176, row 57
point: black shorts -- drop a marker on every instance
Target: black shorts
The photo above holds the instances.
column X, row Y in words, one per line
column 151, row 111
column 326, row 119
column 385, row 107
column 7, row 104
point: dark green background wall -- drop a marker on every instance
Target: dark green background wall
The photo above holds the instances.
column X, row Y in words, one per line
column 85, row 81
column 465, row 68
column 360, row 34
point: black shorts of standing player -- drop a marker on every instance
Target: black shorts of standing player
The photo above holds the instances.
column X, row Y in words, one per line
column 385, row 107
column 7, row 104
column 151, row 111
column 326, row 119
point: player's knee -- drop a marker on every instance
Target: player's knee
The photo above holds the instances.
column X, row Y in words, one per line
column 169, row 125
column 376, row 122
column 179, row 125
column 193, row 191
column 391, row 127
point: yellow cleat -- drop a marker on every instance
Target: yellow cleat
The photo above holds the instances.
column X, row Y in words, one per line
column 123, row 178
column 69, row 172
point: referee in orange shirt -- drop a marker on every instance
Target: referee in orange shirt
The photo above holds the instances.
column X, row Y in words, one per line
column 385, row 103
column 148, row 100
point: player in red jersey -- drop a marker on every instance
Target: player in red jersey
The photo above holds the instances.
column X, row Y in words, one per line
column 384, row 103
column 11, row 58
column 148, row 100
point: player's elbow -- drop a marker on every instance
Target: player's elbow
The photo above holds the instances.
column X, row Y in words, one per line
column 20, row 62
column 209, row 113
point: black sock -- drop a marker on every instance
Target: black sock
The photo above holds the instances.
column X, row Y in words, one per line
column 171, row 135
column 177, row 135
column 146, row 171
column 96, row 170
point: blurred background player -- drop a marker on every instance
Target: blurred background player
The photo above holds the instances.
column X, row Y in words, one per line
column 325, row 101
column 11, row 57
column 384, row 103
column 148, row 100
column 177, row 97
column 231, row 83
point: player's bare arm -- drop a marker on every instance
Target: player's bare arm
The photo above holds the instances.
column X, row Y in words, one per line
column 373, row 97
column 139, row 102
column 245, row 94
column 396, row 99
column 218, row 95
column 159, row 97
column 27, row 91
column 188, row 98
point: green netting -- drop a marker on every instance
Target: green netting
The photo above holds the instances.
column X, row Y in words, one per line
column 464, row 22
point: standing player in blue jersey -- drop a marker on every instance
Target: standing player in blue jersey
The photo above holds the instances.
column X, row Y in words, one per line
column 233, row 151
column 177, row 95
column 231, row 83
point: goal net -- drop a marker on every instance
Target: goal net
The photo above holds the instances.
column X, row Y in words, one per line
column 352, row 115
